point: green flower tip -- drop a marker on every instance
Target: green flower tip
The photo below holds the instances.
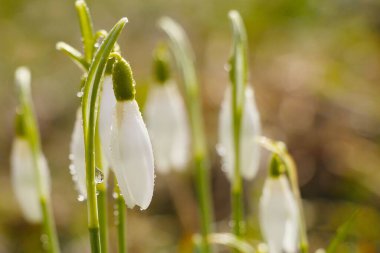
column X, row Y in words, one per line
column 161, row 65
column 122, row 78
column 276, row 167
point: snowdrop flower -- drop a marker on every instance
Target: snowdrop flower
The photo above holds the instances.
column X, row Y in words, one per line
column 279, row 212
column 107, row 103
column 131, row 150
column 24, row 179
column 166, row 119
column 250, row 130
column 77, row 151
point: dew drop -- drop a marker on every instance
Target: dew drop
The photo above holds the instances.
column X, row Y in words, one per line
column 115, row 195
column 45, row 241
column 81, row 198
column 80, row 93
column 99, row 176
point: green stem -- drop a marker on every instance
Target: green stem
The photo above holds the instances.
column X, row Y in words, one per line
column 238, row 76
column 102, row 196
column 49, row 227
column 120, row 220
column 102, row 210
column 184, row 57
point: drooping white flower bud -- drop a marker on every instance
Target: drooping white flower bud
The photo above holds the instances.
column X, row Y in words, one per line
column 78, row 158
column 131, row 150
column 250, row 130
column 132, row 155
column 279, row 214
column 24, row 179
column 168, row 128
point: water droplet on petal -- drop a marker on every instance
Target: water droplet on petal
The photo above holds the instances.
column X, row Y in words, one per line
column 81, row 198
column 80, row 93
column 99, row 176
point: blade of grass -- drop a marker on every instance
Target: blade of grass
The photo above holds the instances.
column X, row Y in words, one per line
column 341, row 233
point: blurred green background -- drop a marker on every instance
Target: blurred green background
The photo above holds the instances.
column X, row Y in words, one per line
column 315, row 68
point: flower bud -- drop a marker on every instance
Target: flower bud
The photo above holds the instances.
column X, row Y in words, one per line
column 279, row 215
column 167, row 123
column 24, row 179
column 132, row 155
column 249, row 132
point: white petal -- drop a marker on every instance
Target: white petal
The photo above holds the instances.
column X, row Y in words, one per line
column 132, row 155
column 77, row 156
column 107, row 104
column 251, row 129
column 279, row 216
column 168, row 128
column 24, row 179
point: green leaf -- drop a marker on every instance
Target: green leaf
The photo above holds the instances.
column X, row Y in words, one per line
column 341, row 233
column 86, row 28
column 74, row 55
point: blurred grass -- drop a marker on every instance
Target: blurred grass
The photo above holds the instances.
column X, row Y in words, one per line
column 315, row 67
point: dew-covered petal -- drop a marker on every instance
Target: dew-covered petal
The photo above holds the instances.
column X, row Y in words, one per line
column 132, row 155
column 77, row 156
column 24, row 179
column 168, row 128
column 250, row 130
column 278, row 215
column 107, row 104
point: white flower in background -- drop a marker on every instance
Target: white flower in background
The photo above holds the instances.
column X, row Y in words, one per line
column 24, row 179
column 131, row 150
column 250, row 130
column 279, row 215
column 167, row 123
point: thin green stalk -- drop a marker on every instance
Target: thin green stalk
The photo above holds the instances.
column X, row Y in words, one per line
column 32, row 134
column 238, row 76
column 102, row 195
column 120, row 219
column 49, row 227
column 90, row 105
column 183, row 55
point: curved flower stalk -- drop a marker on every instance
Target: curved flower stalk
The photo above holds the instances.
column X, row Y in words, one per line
column 249, row 133
column 279, row 211
column 131, row 150
column 166, row 119
column 30, row 174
